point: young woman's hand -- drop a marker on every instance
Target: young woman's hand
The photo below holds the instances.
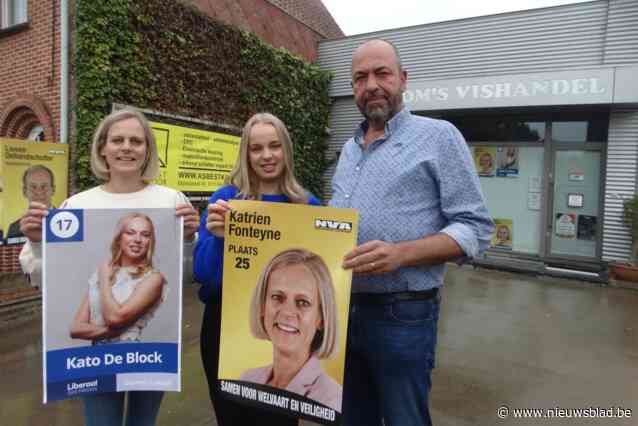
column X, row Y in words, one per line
column 104, row 272
column 31, row 222
column 217, row 217
column 191, row 220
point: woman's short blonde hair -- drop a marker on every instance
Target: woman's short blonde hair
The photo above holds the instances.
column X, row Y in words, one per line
column 243, row 176
column 324, row 343
column 150, row 168
column 116, row 247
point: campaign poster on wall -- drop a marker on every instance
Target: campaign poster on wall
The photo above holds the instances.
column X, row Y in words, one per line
column 485, row 160
column 504, row 234
column 566, row 225
column 31, row 171
column 193, row 159
column 285, row 307
column 507, row 161
column 112, row 291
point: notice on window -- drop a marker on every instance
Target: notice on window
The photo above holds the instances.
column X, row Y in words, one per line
column 485, row 160
column 504, row 234
column 192, row 159
column 533, row 200
column 566, row 225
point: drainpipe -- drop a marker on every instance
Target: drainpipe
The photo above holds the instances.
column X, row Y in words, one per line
column 64, row 71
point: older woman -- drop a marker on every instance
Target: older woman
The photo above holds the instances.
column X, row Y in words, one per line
column 124, row 156
column 126, row 290
column 294, row 307
column 264, row 171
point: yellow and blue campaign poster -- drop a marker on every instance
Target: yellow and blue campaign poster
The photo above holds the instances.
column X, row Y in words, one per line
column 112, row 300
column 31, row 171
column 285, row 307
column 192, row 159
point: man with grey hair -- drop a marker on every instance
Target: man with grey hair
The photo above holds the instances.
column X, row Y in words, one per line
column 413, row 181
column 38, row 184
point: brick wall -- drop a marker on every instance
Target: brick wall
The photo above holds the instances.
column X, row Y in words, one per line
column 9, row 262
column 29, row 67
column 268, row 22
column 312, row 13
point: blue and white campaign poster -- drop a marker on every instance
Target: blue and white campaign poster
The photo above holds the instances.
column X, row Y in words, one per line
column 112, row 281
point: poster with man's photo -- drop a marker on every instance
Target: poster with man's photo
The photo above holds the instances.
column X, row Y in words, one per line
column 285, row 307
column 31, row 171
column 112, row 298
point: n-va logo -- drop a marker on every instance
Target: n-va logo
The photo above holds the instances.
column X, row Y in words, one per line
column 333, row 225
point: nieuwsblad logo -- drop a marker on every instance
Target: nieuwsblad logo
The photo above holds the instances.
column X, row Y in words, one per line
column 333, row 225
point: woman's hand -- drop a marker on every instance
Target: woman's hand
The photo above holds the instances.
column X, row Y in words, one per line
column 217, row 217
column 31, row 222
column 191, row 220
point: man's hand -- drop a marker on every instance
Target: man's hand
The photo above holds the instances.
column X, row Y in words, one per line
column 373, row 257
column 31, row 222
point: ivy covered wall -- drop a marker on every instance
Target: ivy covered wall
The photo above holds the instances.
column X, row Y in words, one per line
column 166, row 56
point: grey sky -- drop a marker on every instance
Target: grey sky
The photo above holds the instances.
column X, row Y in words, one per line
column 364, row 16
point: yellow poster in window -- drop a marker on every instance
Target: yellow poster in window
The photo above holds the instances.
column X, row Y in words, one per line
column 31, row 171
column 193, row 160
column 485, row 160
column 285, row 307
column 504, row 234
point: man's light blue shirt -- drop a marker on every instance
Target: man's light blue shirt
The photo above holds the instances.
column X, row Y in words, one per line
column 417, row 180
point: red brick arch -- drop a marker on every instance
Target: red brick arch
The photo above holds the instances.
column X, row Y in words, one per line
column 22, row 113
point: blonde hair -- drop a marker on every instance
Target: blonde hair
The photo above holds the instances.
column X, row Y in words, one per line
column 324, row 343
column 243, row 176
column 116, row 247
column 150, row 168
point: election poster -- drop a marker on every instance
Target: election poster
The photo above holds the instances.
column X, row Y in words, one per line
column 507, row 161
column 566, row 225
column 31, row 171
column 192, row 159
column 485, row 160
column 112, row 290
column 504, row 234
column 285, row 307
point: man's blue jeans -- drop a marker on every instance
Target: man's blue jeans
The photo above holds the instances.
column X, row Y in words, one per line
column 107, row 409
column 389, row 360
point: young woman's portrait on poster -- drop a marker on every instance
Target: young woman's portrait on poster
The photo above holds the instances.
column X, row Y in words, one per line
column 264, row 171
column 124, row 157
column 293, row 306
column 125, row 291
column 503, row 236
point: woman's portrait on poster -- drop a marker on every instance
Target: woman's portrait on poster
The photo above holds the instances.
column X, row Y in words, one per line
column 126, row 290
column 294, row 307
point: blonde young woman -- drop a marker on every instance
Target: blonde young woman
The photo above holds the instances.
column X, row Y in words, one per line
column 264, row 171
column 124, row 156
column 128, row 279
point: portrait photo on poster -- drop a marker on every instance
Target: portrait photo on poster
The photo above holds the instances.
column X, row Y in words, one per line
column 128, row 248
column 485, row 160
column 289, row 314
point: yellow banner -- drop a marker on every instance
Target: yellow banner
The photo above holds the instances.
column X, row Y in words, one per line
column 192, row 159
column 36, row 171
column 285, row 306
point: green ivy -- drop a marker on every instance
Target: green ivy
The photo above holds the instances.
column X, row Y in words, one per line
column 166, row 56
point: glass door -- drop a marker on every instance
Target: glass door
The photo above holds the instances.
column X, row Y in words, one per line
column 574, row 220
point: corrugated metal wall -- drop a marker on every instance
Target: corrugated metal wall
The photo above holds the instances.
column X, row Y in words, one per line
column 620, row 182
column 535, row 40
column 621, row 45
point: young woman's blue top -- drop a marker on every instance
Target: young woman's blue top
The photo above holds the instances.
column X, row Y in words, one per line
column 208, row 259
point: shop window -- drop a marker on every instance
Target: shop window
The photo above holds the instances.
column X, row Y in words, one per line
column 12, row 12
column 590, row 130
column 496, row 129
